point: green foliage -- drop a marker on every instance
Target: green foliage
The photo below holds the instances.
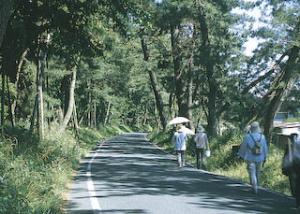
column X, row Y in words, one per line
column 34, row 176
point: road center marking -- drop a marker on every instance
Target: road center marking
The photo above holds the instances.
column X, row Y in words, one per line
column 90, row 184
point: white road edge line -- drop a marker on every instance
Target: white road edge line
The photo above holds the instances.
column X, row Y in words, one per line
column 90, row 184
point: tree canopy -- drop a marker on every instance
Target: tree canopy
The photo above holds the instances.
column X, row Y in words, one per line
column 91, row 63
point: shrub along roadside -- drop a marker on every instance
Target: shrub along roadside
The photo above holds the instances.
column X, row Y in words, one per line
column 224, row 162
column 34, row 175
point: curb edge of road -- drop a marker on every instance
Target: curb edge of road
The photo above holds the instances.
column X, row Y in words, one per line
column 215, row 174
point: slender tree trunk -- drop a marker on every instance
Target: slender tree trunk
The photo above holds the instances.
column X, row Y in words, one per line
column 71, row 102
column 212, row 97
column 107, row 113
column 40, row 82
column 75, row 116
column 11, row 113
column 84, row 114
column 190, row 91
column 33, row 115
column 6, row 9
column 47, row 102
column 19, row 68
column 95, row 115
column 154, row 85
column 90, row 104
column 75, row 121
column 3, row 102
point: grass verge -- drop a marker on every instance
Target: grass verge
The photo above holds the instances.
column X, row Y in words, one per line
column 224, row 161
column 34, row 176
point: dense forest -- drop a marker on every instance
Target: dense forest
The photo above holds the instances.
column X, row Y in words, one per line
column 66, row 65
column 92, row 63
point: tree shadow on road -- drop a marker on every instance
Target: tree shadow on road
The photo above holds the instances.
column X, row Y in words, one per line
column 130, row 166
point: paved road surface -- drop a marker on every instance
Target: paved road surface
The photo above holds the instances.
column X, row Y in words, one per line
column 127, row 174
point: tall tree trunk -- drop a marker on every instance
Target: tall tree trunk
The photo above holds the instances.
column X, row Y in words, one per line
column 190, row 91
column 6, row 9
column 212, row 85
column 154, row 85
column 47, row 102
column 178, row 82
column 40, row 82
column 68, row 115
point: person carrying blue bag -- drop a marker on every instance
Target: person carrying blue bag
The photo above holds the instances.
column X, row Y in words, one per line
column 254, row 150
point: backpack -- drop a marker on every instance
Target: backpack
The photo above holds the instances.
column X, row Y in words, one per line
column 257, row 148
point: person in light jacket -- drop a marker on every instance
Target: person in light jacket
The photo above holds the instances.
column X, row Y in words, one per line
column 254, row 151
column 179, row 139
column 201, row 146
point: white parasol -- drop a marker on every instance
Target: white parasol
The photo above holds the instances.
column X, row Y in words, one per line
column 178, row 120
column 186, row 130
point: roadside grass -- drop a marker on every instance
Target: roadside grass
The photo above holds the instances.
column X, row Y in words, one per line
column 34, row 176
column 224, row 161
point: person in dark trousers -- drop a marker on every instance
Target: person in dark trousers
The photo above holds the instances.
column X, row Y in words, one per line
column 291, row 165
column 201, row 146
column 254, row 151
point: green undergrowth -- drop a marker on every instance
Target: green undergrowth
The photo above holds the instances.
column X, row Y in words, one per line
column 34, row 176
column 224, row 161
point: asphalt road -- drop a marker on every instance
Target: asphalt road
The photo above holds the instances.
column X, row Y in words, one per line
column 127, row 174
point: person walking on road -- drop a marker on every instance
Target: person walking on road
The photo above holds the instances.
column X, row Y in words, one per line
column 201, row 146
column 254, row 151
column 179, row 139
column 291, row 165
